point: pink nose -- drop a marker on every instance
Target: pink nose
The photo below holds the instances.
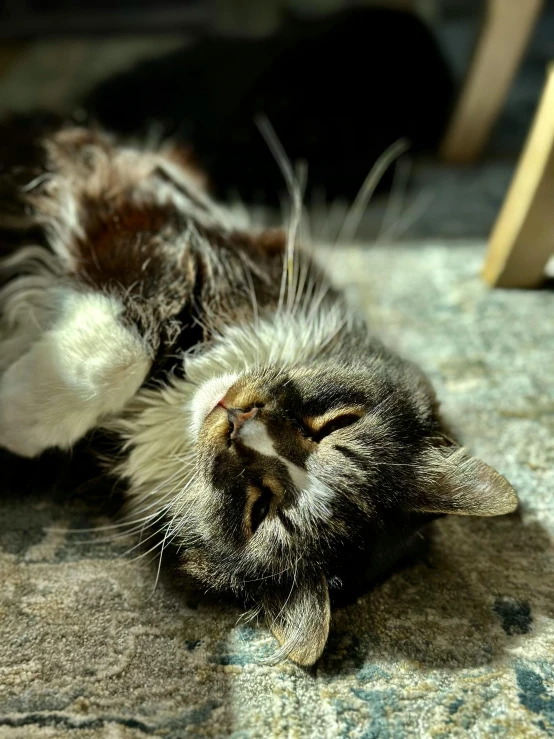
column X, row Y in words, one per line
column 237, row 418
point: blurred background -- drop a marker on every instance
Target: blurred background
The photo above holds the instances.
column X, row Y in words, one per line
column 339, row 81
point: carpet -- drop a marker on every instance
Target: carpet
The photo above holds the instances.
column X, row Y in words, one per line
column 460, row 643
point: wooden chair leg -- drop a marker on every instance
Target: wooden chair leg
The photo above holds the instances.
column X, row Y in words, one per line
column 522, row 239
column 506, row 29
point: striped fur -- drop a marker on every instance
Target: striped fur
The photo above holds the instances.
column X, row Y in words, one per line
column 256, row 422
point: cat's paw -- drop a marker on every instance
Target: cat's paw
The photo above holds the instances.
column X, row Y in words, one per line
column 21, row 430
column 88, row 366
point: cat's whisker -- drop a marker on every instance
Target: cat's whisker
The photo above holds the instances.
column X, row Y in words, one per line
column 336, row 215
column 301, row 286
column 154, row 535
column 123, row 529
column 283, row 607
column 388, row 398
column 316, row 301
column 169, row 526
column 117, row 525
column 271, row 575
column 412, row 214
column 249, row 616
column 158, row 545
column 294, row 187
column 356, row 211
column 109, row 527
column 138, row 525
column 395, row 201
column 132, row 532
column 252, row 291
column 299, row 214
column 155, row 496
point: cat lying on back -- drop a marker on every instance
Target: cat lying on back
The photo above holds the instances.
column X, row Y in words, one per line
column 287, row 452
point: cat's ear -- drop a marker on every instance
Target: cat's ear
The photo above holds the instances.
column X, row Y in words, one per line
column 299, row 618
column 453, row 482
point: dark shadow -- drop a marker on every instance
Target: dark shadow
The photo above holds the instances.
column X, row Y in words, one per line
column 338, row 91
column 475, row 592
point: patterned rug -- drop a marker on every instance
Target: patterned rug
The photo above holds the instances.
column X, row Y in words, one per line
column 459, row 644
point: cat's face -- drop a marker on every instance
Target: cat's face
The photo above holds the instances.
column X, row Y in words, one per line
column 317, row 476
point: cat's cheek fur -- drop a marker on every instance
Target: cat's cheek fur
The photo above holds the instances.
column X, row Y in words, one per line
column 87, row 365
column 207, row 397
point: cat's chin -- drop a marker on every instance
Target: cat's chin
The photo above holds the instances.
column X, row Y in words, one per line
column 207, row 397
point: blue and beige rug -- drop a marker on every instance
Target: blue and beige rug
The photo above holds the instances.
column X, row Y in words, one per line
column 460, row 644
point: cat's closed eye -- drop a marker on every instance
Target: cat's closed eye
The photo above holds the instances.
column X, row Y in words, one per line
column 260, row 507
column 334, row 424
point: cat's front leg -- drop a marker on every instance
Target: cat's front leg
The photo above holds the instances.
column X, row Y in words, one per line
column 84, row 367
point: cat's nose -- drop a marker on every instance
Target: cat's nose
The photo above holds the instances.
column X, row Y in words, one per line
column 238, row 417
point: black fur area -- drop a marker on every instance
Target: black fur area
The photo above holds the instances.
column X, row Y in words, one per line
column 338, row 91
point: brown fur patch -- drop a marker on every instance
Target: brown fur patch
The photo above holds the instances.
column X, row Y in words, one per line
column 269, row 243
column 216, row 428
column 127, row 251
column 252, row 495
column 183, row 157
column 243, row 394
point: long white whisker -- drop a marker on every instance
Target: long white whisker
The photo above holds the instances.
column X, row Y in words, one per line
column 295, row 193
column 395, row 202
column 411, row 215
column 354, row 215
column 169, row 527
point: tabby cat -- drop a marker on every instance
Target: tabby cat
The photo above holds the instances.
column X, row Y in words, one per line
column 256, row 421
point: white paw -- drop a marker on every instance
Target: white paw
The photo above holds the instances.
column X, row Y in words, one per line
column 86, row 367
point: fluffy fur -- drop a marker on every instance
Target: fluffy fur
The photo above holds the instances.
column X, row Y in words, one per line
column 83, row 367
column 256, row 423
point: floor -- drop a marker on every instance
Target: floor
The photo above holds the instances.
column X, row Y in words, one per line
column 461, row 644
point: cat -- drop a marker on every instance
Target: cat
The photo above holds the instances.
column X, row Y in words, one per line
column 253, row 417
